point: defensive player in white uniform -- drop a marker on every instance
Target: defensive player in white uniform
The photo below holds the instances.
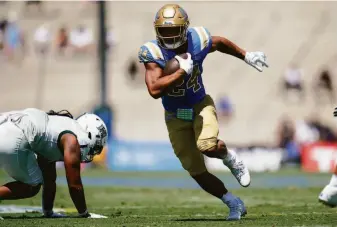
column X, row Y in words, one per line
column 52, row 136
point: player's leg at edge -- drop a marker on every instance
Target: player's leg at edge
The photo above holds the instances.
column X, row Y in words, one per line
column 328, row 196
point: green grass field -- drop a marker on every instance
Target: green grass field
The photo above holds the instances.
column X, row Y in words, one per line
column 131, row 206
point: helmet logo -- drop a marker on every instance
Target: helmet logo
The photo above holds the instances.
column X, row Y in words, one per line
column 168, row 22
column 102, row 131
column 169, row 13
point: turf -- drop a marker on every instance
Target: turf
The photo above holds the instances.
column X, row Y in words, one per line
column 183, row 207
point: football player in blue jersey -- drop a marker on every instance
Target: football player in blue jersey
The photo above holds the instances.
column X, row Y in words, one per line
column 190, row 113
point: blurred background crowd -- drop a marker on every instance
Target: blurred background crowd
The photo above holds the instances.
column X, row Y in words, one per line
column 49, row 60
column 62, row 39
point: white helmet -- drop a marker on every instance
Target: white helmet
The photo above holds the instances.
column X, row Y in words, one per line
column 97, row 133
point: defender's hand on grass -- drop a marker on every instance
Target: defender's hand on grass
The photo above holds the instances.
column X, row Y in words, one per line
column 257, row 60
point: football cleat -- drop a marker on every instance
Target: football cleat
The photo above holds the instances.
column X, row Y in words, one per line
column 328, row 196
column 238, row 169
column 237, row 209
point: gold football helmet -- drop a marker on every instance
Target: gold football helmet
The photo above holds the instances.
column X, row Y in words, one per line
column 171, row 25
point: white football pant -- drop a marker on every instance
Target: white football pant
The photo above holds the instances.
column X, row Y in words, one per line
column 16, row 157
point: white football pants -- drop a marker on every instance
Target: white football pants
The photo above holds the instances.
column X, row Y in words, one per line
column 16, row 157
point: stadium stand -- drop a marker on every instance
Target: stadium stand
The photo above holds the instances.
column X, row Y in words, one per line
column 285, row 31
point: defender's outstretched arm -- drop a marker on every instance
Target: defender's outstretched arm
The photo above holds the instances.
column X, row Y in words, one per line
column 72, row 164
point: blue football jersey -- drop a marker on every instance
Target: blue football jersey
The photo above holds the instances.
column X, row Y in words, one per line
column 191, row 91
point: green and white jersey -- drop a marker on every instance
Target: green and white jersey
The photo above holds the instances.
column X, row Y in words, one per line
column 44, row 132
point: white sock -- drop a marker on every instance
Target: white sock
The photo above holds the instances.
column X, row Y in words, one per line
column 226, row 198
column 333, row 180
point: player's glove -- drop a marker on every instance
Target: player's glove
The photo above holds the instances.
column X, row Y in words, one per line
column 185, row 64
column 335, row 112
column 256, row 59
column 51, row 214
column 91, row 215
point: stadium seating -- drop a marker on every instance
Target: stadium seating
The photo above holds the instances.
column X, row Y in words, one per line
column 301, row 31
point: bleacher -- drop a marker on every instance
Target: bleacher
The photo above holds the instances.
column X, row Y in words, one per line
column 304, row 32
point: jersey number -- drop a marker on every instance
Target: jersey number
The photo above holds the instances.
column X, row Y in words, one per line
column 193, row 82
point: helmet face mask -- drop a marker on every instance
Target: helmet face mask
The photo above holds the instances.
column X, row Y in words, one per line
column 96, row 149
column 171, row 25
column 97, row 135
column 86, row 158
column 171, row 37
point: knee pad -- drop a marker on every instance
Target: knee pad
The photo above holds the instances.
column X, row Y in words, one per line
column 205, row 145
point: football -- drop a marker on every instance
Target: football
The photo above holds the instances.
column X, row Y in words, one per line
column 173, row 65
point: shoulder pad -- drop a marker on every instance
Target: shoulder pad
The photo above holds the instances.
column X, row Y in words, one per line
column 202, row 39
column 150, row 52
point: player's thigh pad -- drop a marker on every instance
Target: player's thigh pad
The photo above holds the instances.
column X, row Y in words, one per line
column 16, row 158
column 206, row 127
column 183, row 142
